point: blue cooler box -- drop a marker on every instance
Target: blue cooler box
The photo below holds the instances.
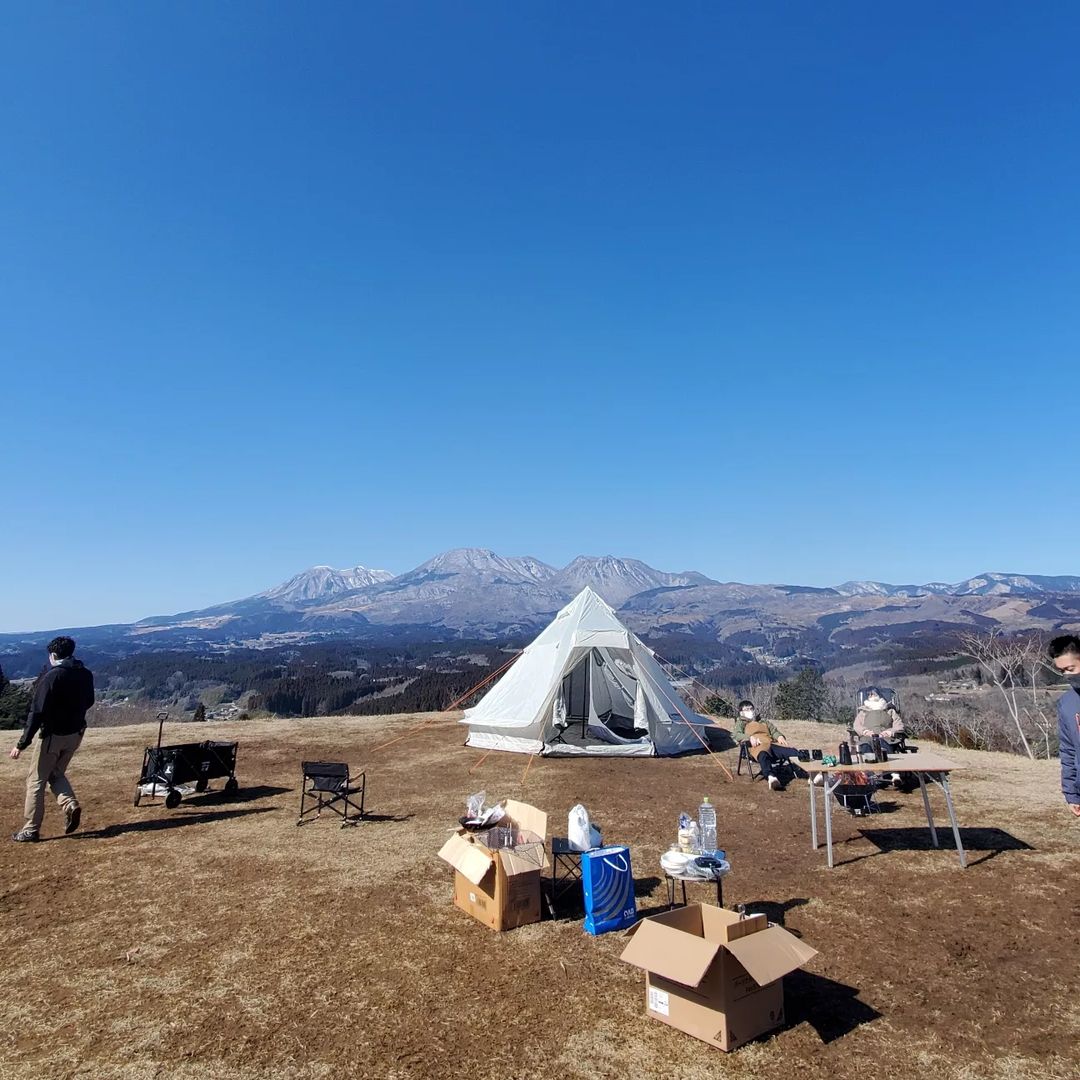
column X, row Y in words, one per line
column 608, row 884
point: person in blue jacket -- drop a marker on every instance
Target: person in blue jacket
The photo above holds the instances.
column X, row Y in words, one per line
column 1065, row 656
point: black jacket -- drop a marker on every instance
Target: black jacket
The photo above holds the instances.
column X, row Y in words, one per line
column 61, row 698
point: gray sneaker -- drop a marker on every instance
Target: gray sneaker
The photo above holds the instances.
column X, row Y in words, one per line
column 25, row 836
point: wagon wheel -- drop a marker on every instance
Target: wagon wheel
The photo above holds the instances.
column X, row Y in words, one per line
column 172, row 800
column 231, row 786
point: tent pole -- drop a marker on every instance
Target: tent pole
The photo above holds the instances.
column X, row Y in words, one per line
column 586, row 712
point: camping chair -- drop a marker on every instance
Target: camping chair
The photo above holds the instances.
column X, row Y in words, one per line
column 753, row 769
column 328, row 783
column 898, row 741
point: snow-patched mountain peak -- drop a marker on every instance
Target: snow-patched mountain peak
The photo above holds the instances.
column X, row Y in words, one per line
column 324, row 583
column 484, row 562
column 980, row 585
column 616, row 579
column 1024, row 584
column 881, row 588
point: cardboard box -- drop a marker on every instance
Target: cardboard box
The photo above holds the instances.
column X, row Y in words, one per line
column 713, row 975
column 500, row 888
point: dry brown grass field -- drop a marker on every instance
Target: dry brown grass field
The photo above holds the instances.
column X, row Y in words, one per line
column 219, row 940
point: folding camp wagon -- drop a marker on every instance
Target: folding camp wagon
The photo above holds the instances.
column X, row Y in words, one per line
column 169, row 767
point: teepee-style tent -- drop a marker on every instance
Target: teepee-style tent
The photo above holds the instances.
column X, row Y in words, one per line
column 586, row 685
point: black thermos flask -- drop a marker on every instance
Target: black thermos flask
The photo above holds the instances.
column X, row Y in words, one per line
column 877, row 748
column 845, row 754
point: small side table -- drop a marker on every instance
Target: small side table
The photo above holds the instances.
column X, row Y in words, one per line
column 682, row 879
column 565, row 869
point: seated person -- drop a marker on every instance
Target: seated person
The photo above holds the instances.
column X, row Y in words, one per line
column 768, row 747
column 878, row 717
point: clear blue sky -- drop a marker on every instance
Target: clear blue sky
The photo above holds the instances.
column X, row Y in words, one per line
column 778, row 292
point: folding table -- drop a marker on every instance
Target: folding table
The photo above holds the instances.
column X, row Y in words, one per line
column 718, row 877
column 932, row 768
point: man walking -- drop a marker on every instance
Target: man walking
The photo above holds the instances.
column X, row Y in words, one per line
column 62, row 696
column 1065, row 656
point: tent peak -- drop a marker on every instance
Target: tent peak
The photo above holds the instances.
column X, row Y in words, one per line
column 589, row 593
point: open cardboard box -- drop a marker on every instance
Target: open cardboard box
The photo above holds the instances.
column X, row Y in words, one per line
column 502, row 889
column 713, row 975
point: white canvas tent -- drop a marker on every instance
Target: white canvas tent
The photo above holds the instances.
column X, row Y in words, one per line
column 586, row 685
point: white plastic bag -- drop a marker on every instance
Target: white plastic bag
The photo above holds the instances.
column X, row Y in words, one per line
column 477, row 814
column 581, row 834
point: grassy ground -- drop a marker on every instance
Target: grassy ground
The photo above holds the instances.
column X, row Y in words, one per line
column 219, row 940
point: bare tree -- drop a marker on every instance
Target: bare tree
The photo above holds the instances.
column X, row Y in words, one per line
column 1044, row 720
column 763, row 695
column 1011, row 664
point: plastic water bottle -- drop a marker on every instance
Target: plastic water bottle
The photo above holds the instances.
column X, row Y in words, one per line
column 707, row 826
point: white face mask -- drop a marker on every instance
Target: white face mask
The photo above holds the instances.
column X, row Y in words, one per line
column 748, row 714
column 875, row 704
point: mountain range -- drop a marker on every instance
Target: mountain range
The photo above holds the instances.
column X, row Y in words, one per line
column 476, row 593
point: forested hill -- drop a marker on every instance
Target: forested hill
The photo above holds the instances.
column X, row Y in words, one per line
column 323, row 679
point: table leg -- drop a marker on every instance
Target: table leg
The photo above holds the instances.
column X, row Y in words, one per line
column 944, row 781
column 828, row 819
column 552, row 911
column 813, row 816
column 719, row 892
column 926, row 807
column 683, row 893
column 670, row 893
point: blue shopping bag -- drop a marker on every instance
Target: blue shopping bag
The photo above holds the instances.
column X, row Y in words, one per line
column 608, row 885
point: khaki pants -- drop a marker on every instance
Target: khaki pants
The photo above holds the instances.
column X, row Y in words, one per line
column 48, row 763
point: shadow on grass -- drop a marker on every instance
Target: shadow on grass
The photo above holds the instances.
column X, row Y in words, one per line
column 719, row 740
column 831, row 1008
column 244, row 795
column 174, row 820
column 333, row 819
column 569, row 898
column 703, row 891
column 776, row 911
column 992, row 841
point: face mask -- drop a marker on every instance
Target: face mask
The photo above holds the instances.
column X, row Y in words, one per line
column 748, row 714
column 875, row 704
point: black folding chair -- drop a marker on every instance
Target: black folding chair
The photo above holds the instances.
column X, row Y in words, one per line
column 753, row 769
column 327, row 785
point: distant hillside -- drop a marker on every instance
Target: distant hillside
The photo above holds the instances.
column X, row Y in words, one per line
column 477, row 594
